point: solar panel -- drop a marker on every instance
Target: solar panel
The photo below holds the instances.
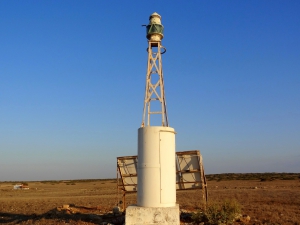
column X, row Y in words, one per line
column 189, row 173
column 127, row 168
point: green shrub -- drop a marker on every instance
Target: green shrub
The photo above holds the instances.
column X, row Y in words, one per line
column 218, row 213
column 199, row 217
column 289, row 178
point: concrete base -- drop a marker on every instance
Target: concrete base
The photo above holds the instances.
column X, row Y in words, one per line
column 136, row 215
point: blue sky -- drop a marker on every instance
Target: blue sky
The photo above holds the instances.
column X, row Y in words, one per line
column 72, row 80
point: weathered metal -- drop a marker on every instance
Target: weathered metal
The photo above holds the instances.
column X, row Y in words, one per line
column 190, row 173
column 154, row 90
column 155, row 30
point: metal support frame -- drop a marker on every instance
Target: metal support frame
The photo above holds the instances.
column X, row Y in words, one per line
column 127, row 183
column 186, row 172
column 180, row 173
column 155, row 90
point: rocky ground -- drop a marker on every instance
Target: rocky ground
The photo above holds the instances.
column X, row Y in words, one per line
column 92, row 202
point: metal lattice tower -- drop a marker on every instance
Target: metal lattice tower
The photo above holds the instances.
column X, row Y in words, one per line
column 154, row 77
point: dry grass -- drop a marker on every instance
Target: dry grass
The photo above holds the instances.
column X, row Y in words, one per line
column 271, row 202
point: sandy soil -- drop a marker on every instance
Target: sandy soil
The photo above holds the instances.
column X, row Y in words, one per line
column 270, row 202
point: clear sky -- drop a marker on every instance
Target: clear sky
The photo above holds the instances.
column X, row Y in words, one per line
column 72, row 80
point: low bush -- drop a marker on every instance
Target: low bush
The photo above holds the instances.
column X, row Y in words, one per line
column 218, row 213
column 289, row 178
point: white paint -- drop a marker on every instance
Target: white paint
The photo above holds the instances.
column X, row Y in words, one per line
column 155, row 37
column 155, row 18
column 136, row 215
column 156, row 167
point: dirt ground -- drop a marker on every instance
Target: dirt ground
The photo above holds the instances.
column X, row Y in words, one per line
column 91, row 202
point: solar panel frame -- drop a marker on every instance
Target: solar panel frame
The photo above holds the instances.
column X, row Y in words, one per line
column 189, row 173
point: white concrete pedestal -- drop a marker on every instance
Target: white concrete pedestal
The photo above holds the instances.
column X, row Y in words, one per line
column 136, row 215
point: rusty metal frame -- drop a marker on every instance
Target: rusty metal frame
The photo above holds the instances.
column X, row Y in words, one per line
column 195, row 184
column 125, row 187
column 122, row 184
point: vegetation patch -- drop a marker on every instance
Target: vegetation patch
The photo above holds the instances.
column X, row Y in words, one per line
column 253, row 176
column 225, row 212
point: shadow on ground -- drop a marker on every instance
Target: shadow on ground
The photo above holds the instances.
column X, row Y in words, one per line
column 70, row 215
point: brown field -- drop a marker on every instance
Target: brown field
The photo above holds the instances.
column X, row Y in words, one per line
column 266, row 202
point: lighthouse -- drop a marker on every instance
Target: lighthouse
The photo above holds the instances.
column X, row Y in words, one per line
column 156, row 189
